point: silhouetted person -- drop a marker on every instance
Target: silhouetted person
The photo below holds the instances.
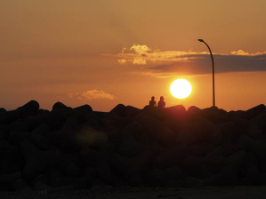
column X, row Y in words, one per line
column 152, row 102
column 161, row 103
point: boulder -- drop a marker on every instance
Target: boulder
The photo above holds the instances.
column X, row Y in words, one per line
column 9, row 116
column 41, row 178
column 41, row 186
column 96, row 189
column 113, row 121
column 195, row 132
column 19, row 125
column 65, row 138
column 131, row 111
column 30, row 108
column 98, row 182
column 259, row 150
column 241, row 125
column 177, row 112
column 215, row 115
column 201, row 149
column 21, row 185
column 66, row 165
column 78, row 182
column 115, row 137
column 229, row 130
column 229, row 149
column 217, row 150
column 4, row 144
column 134, row 131
column 37, row 161
column 244, row 142
column 230, row 172
column 165, row 176
column 58, row 116
column 249, row 161
column 194, row 182
column 216, row 137
column 259, row 122
column 120, row 110
column 255, row 111
column 28, row 149
column 238, row 114
column 100, row 187
column 255, row 132
column 7, row 180
column 16, row 137
column 215, row 163
column 4, row 131
column 11, row 160
column 130, row 149
column 170, row 157
column 253, row 176
column 34, row 121
column 83, row 113
column 40, row 141
column 90, row 157
column 42, row 129
column 53, row 173
column 132, row 168
column 193, row 111
column 232, row 167
column 153, row 131
column 105, row 172
column 263, row 178
column 106, row 149
column 195, row 166
column 87, row 136
column 154, row 112
column 59, row 105
column 92, row 122
column 90, row 174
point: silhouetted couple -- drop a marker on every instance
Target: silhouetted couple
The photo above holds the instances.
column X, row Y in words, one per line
column 161, row 103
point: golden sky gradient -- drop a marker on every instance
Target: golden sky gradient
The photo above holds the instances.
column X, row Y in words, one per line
column 103, row 53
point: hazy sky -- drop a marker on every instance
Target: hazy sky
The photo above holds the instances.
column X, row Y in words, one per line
column 107, row 52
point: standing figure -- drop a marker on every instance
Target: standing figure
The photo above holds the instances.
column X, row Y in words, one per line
column 152, row 102
column 161, row 103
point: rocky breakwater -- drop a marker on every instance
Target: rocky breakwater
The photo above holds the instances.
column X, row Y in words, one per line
column 82, row 148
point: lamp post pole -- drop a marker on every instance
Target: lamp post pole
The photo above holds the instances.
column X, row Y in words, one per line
column 213, row 88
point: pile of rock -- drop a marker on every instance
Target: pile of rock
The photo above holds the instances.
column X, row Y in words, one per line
column 41, row 149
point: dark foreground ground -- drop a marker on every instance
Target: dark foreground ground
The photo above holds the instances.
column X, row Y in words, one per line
column 129, row 152
column 233, row 192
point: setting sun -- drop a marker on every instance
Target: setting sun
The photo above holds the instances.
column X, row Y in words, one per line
column 180, row 88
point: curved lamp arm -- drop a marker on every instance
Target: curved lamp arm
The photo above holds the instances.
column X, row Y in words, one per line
column 213, row 87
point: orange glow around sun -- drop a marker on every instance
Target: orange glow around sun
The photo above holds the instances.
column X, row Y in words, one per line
column 180, row 88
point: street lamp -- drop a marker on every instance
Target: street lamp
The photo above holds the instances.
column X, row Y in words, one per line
column 213, row 89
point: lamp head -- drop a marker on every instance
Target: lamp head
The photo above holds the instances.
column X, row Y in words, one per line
column 200, row 40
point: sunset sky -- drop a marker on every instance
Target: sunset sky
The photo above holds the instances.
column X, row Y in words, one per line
column 107, row 52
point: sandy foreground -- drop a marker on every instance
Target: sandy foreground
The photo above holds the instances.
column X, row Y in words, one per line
column 241, row 192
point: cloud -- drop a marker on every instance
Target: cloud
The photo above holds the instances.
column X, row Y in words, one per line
column 91, row 95
column 140, row 49
column 223, row 64
column 122, row 61
column 167, row 63
column 142, row 54
column 239, row 52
